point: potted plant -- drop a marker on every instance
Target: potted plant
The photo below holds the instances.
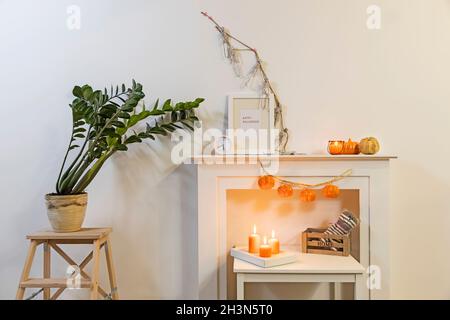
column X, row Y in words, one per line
column 103, row 123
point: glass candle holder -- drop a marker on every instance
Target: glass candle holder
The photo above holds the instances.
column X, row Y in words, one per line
column 335, row 147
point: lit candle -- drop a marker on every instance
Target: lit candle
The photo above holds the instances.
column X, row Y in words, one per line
column 253, row 241
column 274, row 243
column 265, row 250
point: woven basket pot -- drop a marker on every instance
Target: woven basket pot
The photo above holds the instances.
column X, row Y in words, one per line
column 66, row 212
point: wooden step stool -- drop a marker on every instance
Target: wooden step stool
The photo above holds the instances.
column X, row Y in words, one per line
column 98, row 237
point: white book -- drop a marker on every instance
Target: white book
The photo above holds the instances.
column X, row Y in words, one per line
column 284, row 257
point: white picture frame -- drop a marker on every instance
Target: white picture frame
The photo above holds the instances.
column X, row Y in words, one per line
column 251, row 111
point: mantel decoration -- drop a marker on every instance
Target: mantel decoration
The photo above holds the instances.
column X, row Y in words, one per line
column 369, row 145
column 232, row 53
column 307, row 192
column 103, row 123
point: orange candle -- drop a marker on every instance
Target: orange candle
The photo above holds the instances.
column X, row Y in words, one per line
column 253, row 241
column 335, row 147
column 274, row 243
column 265, row 250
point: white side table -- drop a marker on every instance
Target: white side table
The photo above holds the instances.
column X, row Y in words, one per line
column 308, row 268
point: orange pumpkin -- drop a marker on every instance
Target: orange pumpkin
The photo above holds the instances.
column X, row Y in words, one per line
column 350, row 147
column 307, row 195
column 330, row 191
column 266, row 182
column 285, row 191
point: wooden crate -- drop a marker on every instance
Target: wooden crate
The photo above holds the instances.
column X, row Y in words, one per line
column 312, row 243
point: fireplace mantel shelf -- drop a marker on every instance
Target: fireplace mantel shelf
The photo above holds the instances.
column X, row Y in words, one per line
column 231, row 158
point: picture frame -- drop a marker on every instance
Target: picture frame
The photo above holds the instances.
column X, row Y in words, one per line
column 248, row 112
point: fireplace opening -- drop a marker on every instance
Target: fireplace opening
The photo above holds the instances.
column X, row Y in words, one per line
column 288, row 217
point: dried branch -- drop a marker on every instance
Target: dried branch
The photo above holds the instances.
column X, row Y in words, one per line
column 233, row 54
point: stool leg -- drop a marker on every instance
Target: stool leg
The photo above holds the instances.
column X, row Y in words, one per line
column 46, row 268
column 95, row 270
column 26, row 268
column 111, row 270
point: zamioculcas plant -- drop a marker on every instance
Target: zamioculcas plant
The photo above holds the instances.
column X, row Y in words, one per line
column 103, row 123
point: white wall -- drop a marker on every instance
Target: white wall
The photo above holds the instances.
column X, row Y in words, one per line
column 336, row 78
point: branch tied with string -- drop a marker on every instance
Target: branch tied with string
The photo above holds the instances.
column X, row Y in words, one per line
column 232, row 53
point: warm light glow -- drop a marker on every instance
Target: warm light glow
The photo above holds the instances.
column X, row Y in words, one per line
column 273, row 234
column 265, row 240
column 254, row 229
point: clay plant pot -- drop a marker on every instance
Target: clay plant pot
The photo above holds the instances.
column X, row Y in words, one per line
column 66, row 212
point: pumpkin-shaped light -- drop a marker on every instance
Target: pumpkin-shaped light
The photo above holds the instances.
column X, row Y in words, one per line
column 307, row 195
column 285, row 191
column 266, row 182
column 330, row 191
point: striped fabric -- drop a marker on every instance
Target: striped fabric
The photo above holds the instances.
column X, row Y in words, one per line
column 345, row 224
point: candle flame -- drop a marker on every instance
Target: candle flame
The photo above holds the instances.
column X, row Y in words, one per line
column 273, row 234
column 254, row 229
column 265, row 240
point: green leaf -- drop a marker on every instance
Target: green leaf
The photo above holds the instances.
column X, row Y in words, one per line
column 122, row 147
column 124, row 115
column 132, row 139
column 123, row 88
column 156, row 105
column 156, row 112
column 167, row 106
column 77, row 92
column 78, row 130
column 121, row 131
column 133, row 120
column 110, row 106
column 118, row 124
column 87, row 92
column 168, row 127
column 79, row 135
column 73, row 146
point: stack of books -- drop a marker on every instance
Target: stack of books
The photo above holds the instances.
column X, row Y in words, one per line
column 284, row 257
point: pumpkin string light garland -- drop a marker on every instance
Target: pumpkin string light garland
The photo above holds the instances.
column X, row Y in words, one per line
column 329, row 190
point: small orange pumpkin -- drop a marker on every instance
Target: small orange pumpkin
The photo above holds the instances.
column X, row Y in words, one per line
column 307, row 195
column 266, row 182
column 285, row 191
column 330, row 191
column 350, row 147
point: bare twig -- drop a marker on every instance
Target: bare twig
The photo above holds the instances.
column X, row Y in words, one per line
column 231, row 55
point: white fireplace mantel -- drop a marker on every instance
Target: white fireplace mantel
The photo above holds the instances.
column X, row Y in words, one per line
column 216, row 175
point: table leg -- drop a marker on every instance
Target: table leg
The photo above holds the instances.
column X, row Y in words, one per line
column 358, row 287
column 337, row 290
column 240, row 282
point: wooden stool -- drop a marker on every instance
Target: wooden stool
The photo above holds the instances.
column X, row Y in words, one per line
column 98, row 237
